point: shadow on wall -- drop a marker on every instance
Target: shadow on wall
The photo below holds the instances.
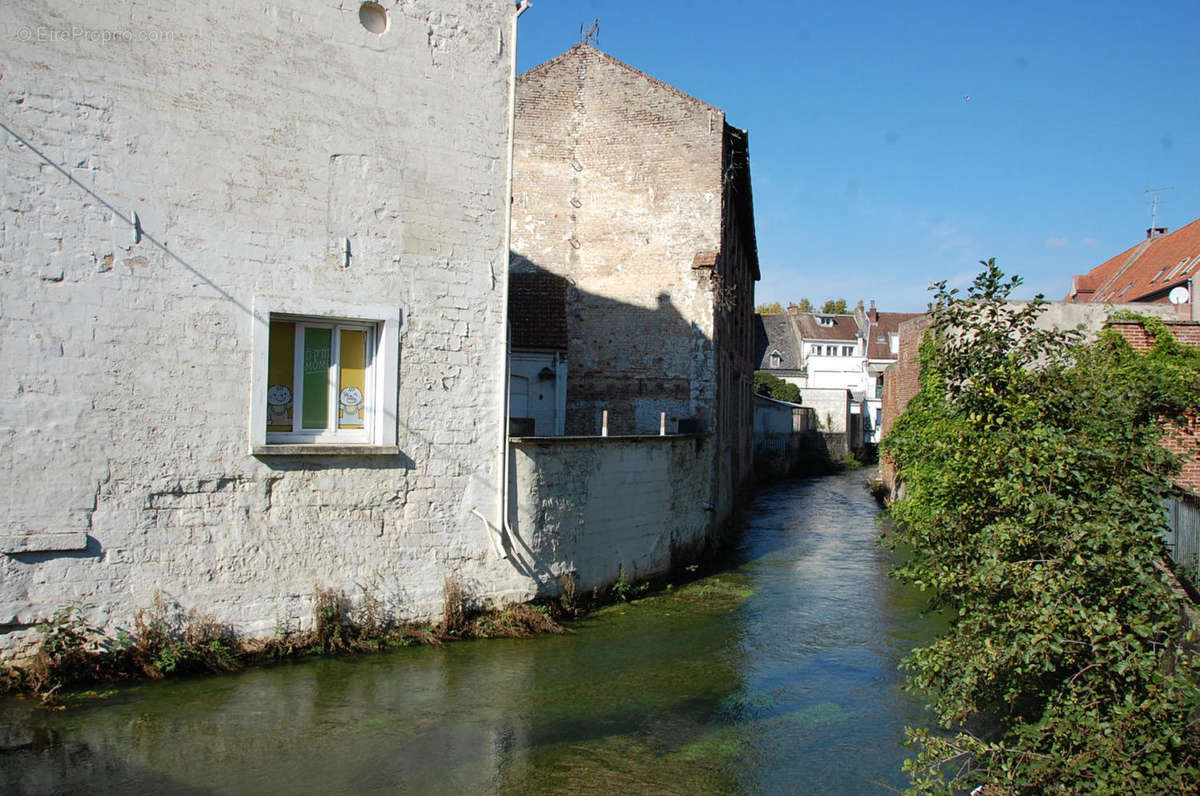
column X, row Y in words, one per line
column 594, row 511
column 800, row 453
column 634, row 361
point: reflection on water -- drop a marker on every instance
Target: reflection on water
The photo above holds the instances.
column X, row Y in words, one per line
column 776, row 677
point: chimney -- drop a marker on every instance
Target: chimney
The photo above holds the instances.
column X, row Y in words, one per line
column 1155, row 232
column 874, row 314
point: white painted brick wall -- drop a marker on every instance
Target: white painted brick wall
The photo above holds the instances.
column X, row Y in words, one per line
column 250, row 138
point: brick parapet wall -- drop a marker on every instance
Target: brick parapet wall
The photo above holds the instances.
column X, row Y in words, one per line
column 901, row 382
column 1183, row 439
column 1186, row 332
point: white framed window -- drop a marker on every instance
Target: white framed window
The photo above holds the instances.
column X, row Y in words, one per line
column 324, row 375
column 776, row 359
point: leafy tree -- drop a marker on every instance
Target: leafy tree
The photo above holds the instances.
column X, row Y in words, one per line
column 805, row 305
column 774, row 308
column 774, row 387
column 1033, row 476
column 834, row 307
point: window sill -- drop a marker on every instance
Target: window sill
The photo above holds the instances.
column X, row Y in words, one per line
column 43, row 543
column 289, row 449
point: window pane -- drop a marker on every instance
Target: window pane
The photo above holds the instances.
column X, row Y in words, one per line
column 352, row 378
column 318, row 355
column 281, row 370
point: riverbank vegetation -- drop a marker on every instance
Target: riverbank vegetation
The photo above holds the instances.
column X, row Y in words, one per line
column 167, row 640
column 1033, row 474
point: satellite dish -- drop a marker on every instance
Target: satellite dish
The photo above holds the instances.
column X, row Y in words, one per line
column 1178, row 295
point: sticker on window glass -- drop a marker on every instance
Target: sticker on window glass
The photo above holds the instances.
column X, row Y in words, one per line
column 351, row 408
column 279, row 408
column 281, row 358
column 352, row 379
column 318, row 353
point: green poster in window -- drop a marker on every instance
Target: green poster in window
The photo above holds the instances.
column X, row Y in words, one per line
column 318, row 344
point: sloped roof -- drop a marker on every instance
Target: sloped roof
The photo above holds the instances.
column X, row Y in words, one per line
column 774, row 333
column 845, row 327
column 1144, row 272
column 537, row 310
column 883, row 324
column 583, row 50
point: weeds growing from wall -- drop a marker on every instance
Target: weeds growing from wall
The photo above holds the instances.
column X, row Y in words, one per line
column 624, row 590
column 454, row 607
column 67, row 653
column 567, row 599
column 168, row 640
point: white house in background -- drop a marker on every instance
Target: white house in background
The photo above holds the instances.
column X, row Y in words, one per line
column 832, row 349
column 883, row 349
column 850, row 351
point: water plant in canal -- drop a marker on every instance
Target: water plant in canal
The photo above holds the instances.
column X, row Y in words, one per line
column 1033, row 477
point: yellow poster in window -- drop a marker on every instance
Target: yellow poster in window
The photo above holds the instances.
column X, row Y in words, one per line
column 281, row 366
column 352, row 379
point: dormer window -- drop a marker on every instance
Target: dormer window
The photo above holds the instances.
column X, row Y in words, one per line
column 1179, row 269
column 776, row 359
column 825, row 320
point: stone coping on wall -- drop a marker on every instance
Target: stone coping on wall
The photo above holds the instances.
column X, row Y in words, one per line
column 65, row 541
column 612, row 437
column 324, row 450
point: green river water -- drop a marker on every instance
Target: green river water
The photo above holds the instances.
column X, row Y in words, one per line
column 778, row 676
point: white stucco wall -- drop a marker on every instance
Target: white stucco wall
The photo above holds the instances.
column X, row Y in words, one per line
column 251, row 141
column 596, row 506
column 831, row 406
column 847, row 373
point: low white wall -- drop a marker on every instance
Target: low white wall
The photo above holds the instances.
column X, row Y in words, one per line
column 832, row 408
column 594, row 506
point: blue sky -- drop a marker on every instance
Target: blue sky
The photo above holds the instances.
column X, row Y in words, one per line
column 874, row 174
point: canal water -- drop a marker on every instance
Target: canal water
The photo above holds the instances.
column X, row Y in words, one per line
column 778, row 676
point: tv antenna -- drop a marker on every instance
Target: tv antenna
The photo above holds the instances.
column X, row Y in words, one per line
column 591, row 35
column 1154, row 206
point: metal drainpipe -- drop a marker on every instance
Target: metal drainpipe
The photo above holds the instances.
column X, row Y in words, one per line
column 502, row 532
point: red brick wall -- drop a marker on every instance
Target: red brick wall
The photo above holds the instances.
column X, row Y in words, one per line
column 900, row 383
column 1183, row 439
column 1186, row 332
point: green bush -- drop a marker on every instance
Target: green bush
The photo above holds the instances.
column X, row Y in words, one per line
column 775, row 387
column 1033, row 477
